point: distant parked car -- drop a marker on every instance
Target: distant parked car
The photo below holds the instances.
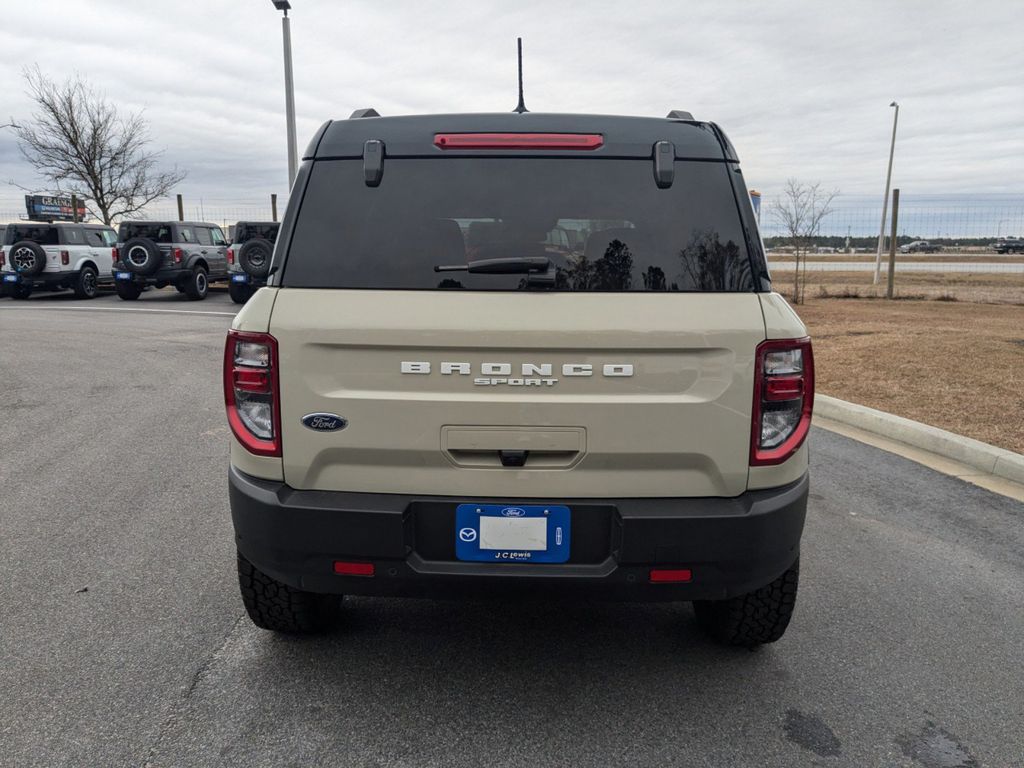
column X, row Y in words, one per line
column 186, row 254
column 920, row 246
column 1009, row 245
column 252, row 245
column 39, row 255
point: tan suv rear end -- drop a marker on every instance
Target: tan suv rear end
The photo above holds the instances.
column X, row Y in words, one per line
column 520, row 353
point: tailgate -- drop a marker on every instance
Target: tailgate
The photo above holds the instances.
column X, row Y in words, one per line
column 596, row 394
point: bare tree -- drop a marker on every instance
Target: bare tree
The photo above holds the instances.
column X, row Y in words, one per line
column 79, row 141
column 799, row 213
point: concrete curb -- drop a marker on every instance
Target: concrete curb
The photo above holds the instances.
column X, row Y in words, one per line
column 974, row 453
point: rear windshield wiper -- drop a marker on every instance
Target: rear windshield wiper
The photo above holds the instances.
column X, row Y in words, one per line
column 521, row 265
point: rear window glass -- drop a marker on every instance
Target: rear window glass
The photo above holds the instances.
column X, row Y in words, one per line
column 42, row 235
column 245, row 232
column 603, row 225
column 160, row 233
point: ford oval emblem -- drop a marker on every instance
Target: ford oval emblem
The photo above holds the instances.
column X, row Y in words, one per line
column 324, row 422
column 513, row 512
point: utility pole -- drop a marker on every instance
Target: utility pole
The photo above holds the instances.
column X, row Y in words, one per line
column 273, row 206
column 289, row 88
column 181, row 209
column 892, row 242
column 885, row 197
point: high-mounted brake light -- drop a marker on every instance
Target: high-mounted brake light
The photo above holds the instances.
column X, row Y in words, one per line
column 783, row 399
column 583, row 141
column 251, row 391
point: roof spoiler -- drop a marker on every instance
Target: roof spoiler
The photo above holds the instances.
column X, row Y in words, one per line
column 368, row 112
column 679, row 114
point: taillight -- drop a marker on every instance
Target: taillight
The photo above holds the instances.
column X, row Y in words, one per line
column 518, row 140
column 251, row 391
column 2, row 259
column 783, row 399
column 114, row 254
column 231, row 255
column 177, row 255
column 65, row 258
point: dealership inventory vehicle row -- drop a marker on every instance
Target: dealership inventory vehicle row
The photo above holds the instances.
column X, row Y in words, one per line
column 56, row 256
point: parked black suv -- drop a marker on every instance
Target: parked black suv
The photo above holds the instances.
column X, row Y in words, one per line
column 186, row 254
column 252, row 245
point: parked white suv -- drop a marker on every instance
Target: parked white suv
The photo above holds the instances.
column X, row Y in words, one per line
column 58, row 256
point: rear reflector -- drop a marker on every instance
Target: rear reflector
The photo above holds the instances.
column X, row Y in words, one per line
column 518, row 140
column 343, row 568
column 666, row 575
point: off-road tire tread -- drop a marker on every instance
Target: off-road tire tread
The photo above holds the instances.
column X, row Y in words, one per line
column 130, row 292
column 239, row 294
column 191, row 291
column 755, row 618
column 280, row 608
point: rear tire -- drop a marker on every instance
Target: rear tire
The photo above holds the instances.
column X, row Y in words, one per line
column 20, row 292
column 239, row 292
column 128, row 291
column 280, row 608
column 196, row 285
column 86, row 287
column 755, row 618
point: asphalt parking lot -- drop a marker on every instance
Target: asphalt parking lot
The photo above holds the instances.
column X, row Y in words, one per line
column 124, row 642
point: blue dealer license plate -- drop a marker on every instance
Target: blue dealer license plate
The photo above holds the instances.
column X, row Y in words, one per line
column 123, row 275
column 240, row 278
column 511, row 533
column 10, row 278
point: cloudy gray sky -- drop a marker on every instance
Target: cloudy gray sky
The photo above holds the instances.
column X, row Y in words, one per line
column 801, row 86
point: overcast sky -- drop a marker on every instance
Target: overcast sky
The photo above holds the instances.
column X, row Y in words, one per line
column 802, row 87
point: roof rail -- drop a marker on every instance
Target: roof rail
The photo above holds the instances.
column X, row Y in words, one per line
column 368, row 112
column 679, row 114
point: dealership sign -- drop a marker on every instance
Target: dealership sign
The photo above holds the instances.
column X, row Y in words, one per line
column 47, row 208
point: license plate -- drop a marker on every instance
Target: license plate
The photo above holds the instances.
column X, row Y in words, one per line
column 240, row 278
column 10, row 278
column 510, row 533
column 123, row 275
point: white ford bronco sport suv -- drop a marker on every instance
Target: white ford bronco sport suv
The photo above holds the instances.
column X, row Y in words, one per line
column 520, row 353
column 43, row 256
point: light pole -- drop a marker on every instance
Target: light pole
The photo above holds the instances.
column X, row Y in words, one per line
column 289, row 88
column 885, row 200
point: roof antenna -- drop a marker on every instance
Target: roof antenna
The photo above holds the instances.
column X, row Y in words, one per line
column 521, row 107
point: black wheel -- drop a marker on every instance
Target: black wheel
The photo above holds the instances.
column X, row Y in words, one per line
column 20, row 291
column 179, row 288
column 128, row 291
column 239, row 292
column 755, row 618
column 254, row 256
column 87, row 285
column 27, row 257
column 278, row 607
column 141, row 256
column 196, row 284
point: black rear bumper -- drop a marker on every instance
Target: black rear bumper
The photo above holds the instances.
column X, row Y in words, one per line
column 731, row 546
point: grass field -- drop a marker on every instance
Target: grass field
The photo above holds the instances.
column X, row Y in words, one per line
column 955, row 365
column 991, row 288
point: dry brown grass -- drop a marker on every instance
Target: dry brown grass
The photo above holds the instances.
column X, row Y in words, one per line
column 958, row 366
column 994, row 288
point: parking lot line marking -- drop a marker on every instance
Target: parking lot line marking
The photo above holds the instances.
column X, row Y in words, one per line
column 125, row 309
